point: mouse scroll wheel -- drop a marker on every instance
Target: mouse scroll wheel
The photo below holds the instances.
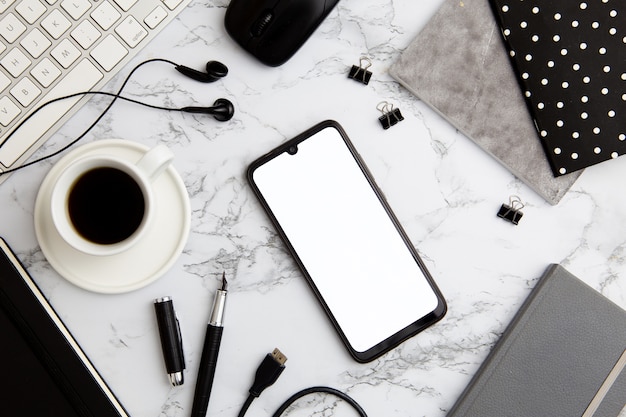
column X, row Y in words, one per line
column 262, row 23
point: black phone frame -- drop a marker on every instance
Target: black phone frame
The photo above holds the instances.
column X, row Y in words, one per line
column 411, row 330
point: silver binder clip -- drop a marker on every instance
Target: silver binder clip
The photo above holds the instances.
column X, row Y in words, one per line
column 361, row 73
column 511, row 212
column 391, row 115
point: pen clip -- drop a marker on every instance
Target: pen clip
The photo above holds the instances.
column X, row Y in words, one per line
column 181, row 351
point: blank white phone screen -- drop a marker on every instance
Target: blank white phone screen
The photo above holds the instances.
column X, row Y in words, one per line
column 345, row 239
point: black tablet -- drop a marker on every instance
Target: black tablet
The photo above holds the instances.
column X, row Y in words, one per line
column 45, row 372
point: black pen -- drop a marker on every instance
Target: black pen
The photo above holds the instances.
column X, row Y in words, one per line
column 171, row 339
column 211, row 348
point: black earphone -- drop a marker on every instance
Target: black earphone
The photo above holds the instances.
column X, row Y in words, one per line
column 222, row 109
column 214, row 71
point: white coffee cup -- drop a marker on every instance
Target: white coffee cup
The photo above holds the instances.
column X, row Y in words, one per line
column 103, row 204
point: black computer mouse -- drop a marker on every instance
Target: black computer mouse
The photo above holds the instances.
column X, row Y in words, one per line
column 273, row 30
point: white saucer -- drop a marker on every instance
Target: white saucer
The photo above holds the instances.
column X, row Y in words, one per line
column 142, row 264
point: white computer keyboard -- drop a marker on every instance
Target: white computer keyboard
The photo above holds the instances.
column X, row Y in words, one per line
column 54, row 48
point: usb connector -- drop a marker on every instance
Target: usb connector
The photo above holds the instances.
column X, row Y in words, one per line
column 278, row 356
column 268, row 372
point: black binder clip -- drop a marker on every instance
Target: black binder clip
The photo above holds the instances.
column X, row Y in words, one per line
column 361, row 73
column 512, row 211
column 391, row 115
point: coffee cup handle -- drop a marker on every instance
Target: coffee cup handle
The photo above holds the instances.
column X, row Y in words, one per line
column 155, row 161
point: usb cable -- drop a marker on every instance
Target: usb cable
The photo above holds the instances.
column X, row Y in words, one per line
column 268, row 372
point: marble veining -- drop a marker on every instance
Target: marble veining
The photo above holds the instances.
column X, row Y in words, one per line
column 444, row 190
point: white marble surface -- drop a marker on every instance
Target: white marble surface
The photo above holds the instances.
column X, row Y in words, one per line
column 444, row 190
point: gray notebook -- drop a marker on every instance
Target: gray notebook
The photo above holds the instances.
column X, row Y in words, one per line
column 563, row 355
column 458, row 65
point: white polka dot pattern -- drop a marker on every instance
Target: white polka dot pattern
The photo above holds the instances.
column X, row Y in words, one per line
column 570, row 56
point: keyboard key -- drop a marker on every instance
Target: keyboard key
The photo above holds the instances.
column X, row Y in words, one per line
column 30, row 10
column 109, row 52
column 65, row 53
column 86, row 34
column 75, row 8
column 15, row 62
column 105, row 15
column 11, row 28
column 125, row 4
column 25, row 92
column 45, row 72
column 5, row 4
column 81, row 78
column 172, row 4
column 131, row 31
column 8, row 111
column 155, row 17
column 56, row 24
column 4, row 82
column 35, row 43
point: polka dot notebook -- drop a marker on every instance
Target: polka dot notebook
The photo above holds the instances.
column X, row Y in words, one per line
column 570, row 58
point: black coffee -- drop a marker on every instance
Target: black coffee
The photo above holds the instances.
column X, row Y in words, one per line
column 106, row 205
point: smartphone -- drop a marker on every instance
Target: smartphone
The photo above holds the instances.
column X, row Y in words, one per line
column 347, row 242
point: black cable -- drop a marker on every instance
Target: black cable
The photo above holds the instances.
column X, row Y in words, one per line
column 268, row 372
column 307, row 391
column 104, row 93
column 104, row 112
column 246, row 405
column 317, row 390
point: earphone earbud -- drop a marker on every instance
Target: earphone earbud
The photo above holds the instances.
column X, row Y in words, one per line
column 222, row 110
column 214, row 71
